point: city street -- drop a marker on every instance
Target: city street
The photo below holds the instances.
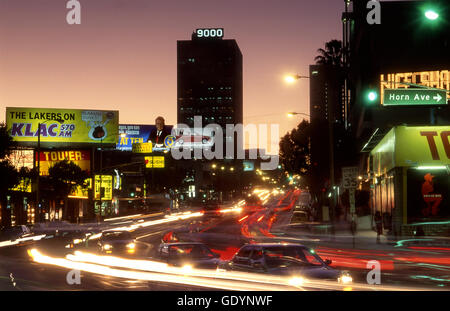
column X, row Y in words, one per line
column 225, row 146
column 403, row 267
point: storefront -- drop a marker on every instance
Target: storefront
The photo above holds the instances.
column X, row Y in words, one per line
column 49, row 137
column 410, row 174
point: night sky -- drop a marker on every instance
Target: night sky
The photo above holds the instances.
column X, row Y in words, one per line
column 123, row 55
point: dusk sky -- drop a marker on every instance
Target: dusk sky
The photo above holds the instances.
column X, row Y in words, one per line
column 123, row 55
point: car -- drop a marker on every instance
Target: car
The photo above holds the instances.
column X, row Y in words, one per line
column 299, row 217
column 195, row 254
column 301, row 207
column 284, row 259
column 15, row 232
column 76, row 238
column 253, row 200
column 211, row 209
column 119, row 242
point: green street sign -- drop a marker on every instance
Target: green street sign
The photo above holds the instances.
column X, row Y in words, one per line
column 414, row 97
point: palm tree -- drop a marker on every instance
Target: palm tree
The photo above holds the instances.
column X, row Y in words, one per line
column 331, row 55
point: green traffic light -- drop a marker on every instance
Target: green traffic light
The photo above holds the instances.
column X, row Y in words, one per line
column 372, row 96
column 431, row 15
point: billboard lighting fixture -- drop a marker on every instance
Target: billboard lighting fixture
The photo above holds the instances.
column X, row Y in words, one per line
column 432, row 168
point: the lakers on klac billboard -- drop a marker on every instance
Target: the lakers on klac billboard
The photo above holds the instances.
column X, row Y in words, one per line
column 62, row 125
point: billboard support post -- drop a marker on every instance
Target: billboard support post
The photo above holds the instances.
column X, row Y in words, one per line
column 38, row 211
column 38, row 149
column 101, row 172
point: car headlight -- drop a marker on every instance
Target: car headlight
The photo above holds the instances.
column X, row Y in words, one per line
column 131, row 245
column 345, row 279
column 107, row 247
column 186, row 269
column 297, row 281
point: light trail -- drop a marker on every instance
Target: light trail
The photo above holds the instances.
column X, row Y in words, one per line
column 166, row 219
column 243, row 218
column 18, row 241
column 123, row 217
column 182, row 278
column 219, row 279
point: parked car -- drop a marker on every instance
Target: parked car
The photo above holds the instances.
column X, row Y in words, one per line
column 284, row 259
column 120, row 243
column 195, row 254
column 15, row 232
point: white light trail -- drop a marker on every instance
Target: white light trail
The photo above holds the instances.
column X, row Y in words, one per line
column 220, row 279
column 15, row 242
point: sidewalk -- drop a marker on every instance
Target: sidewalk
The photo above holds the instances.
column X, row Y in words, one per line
column 362, row 238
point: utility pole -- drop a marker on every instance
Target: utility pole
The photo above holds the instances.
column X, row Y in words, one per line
column 331, row 160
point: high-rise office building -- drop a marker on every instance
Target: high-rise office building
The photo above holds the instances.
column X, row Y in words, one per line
column 209, row 79
column 327, row 112
column 209, row 85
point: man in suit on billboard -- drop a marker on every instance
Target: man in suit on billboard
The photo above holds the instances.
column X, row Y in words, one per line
column 158, row 135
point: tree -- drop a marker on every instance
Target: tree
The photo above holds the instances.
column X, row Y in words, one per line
column 295, row 150
column 6, row 142
column 331, row 55
column 65, row 177
column 10, row 176
column 12, row 179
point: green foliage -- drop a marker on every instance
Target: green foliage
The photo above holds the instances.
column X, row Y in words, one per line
column 331, row 55
column 65, row 176
column 10, row 176
column 6, row 142
column 295, row 150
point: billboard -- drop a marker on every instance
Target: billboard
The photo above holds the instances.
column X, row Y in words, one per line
column 422, row 145
column 154, row 162
column 428, row 195
column 62, row 126
column 406, row 146
column 130, row 134
column 142, row 147
column 437, row 79
column 82, row 158
column 105, row 182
